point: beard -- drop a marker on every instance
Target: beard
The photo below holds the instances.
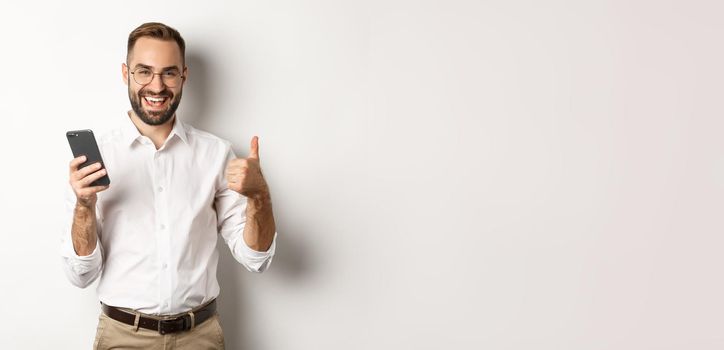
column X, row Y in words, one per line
column 154, row 117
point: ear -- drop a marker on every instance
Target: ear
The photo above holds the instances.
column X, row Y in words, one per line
column 124, row 71
column 185, row 74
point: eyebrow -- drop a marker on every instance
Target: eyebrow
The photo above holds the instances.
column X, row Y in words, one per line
column 151, row 67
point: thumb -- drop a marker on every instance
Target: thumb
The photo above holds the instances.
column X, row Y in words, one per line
column 254, row 152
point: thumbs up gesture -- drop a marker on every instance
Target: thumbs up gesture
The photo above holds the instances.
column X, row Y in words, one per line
column 244, row 174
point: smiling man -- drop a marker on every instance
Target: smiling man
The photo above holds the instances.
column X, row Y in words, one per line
column 151, row 235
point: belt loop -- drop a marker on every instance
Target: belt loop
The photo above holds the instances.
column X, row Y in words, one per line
column 136, row 322
column 193, row 319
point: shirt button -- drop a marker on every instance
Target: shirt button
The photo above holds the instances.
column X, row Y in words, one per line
column 165, row 266
column 160, row 189
column 163, row 226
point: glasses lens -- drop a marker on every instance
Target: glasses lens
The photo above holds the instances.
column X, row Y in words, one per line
column 142, row 76
column 171, row 78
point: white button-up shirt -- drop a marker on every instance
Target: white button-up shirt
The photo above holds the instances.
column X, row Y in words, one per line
column 158, row 222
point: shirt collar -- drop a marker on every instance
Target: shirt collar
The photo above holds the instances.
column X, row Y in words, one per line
column 179, row 130
column 131, row 133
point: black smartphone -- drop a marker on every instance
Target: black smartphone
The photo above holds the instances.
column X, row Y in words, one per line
column 83, row 143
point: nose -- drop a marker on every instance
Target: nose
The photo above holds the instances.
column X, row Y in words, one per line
column 156, row 84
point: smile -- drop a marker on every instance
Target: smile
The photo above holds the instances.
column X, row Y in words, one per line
column 155, row 101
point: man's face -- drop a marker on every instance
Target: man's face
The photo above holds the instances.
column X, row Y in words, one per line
column 155, row 102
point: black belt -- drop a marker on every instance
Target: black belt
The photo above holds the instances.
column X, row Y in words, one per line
column 182, row 323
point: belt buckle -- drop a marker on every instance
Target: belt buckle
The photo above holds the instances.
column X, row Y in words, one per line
column 179, row 320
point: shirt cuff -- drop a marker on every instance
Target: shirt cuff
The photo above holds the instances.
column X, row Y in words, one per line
column 84, row 264
column 256, row 261
column 255, row 254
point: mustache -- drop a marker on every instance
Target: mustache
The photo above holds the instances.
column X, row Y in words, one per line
column 164, row 93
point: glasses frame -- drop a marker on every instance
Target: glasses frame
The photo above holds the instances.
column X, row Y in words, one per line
column 163, row 81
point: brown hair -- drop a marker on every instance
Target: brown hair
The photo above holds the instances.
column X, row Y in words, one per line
column 158, row 31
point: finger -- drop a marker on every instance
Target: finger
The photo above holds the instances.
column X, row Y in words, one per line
column 76, row 162
column 93, row 190
column 233, row 169
column 233, row 186
column 81, row 173
column 237, row 169
column 232, row 178
column 97, row 189
column 254, row 153
column 237, row 163
column 86, row 181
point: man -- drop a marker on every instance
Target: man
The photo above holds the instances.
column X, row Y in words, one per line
column 151, row 235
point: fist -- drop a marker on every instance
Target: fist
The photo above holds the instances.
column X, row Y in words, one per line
column 81, row 180
column 244, row 174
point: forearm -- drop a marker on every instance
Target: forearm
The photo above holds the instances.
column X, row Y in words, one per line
column 260, row 227
column 84, row 230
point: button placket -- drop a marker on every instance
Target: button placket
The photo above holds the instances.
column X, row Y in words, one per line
column 160, row 176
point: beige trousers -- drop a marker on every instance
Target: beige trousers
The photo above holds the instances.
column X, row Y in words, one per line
column 112, row 334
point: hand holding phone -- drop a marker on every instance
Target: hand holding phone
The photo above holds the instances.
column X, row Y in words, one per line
column 88, row 175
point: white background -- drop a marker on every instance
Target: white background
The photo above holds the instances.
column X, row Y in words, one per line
column 445, row 174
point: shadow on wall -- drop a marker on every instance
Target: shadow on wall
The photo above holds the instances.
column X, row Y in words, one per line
column 290, row 265
column 197, row 92
column 291, row 262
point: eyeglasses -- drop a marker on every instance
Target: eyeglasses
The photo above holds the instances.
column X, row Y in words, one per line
column 144, row 76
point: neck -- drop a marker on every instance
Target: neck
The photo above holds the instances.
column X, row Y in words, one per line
column 157, row 133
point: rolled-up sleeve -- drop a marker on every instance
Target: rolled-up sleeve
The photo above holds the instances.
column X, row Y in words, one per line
column 81, row 271
column 231, row 218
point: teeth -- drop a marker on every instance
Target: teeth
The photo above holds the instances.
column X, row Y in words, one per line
column 153, row 99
